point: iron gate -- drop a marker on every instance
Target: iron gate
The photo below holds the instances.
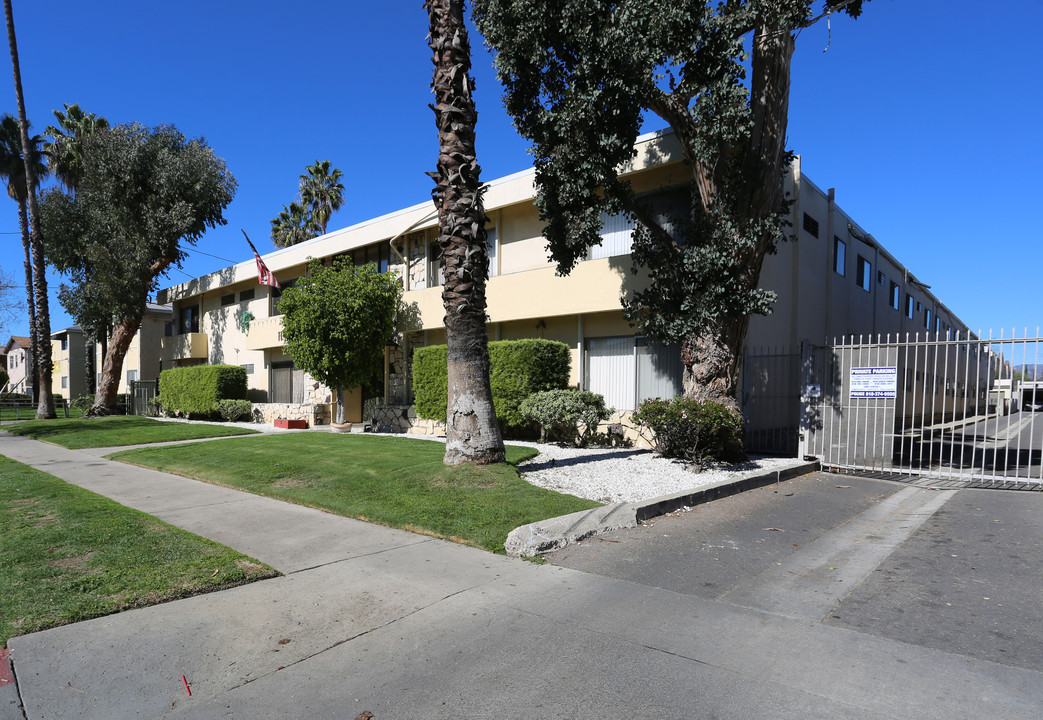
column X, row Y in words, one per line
column 964, row 410
column 141, row 391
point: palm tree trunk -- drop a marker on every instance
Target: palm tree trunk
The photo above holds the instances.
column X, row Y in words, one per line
column 472, row 432
column 30, row 298
column 45, row 409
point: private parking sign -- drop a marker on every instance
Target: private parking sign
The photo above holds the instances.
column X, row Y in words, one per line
column 873, row 382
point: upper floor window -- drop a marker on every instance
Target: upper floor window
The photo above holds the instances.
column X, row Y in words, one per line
column 927, row 318
column 245, row 295
column 839, row 255
column 865, row 274
column 276, row 294
column 896, row 295
column 378, row 254
column 65, row 344
column 227, row 299
column 189, row 320
column 490, row 242
column 435, row 267
column 910, row 306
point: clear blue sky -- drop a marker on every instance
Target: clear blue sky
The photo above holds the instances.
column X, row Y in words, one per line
column 925, row 117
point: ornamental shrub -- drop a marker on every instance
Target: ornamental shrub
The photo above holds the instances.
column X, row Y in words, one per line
column 194, row 391
column 561, row 413
column 517, row 369
column 693, row 430
column 83, row 403
column 232, row 410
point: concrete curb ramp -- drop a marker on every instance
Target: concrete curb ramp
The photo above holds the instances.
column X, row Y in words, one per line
column 548, row 535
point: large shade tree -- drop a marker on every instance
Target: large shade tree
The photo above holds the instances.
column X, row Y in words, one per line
column 337, row 321
column 41, row 340
column 472, row 432
column 145, row 196
column 12, row 171
column 580, row 77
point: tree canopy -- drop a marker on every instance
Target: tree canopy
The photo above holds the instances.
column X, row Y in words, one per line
column 145, row 196
column 581, row 76
column 337, row 320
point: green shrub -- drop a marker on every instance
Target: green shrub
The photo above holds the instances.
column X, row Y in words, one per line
column 155, row 406
column 693, row 430
column 15, row 397
column 561, row 413
column 232, row 410
column 517, row 369
column 194, row 391
column 83, row 402
column 4, row 377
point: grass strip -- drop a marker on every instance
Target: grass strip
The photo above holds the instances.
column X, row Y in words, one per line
column 117, row 430
column 68, row 554
column 398, row 482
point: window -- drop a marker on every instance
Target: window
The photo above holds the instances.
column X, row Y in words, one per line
column 910, row 306
column 132, row 376
column 65, row 344
column 937, row 324
column 927, row 318
column 839, row 255
column 276, row 293
column 65, row 381
column 490, row 242
column 227, row 299
column 435, row 269
column 881, row 278
column 249, row 368
column 189, row 321
column 245, row 295
column 896, row 295
column 865, row 274
column 378, row 254
column 810, row 225
column 627, row 370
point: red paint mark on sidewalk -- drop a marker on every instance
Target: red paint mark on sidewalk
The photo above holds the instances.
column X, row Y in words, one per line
column 6, row 676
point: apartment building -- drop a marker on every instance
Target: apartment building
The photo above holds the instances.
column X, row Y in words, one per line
column 69, row 352
column 835, row 279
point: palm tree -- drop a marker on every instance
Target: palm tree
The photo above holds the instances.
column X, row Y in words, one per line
column 66, row 148
column 322, row 190
column 472, row 433
column 42, row 339
column 293, row 225
column 12, row 170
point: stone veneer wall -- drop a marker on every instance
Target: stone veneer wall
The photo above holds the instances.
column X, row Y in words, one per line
column 314, row 414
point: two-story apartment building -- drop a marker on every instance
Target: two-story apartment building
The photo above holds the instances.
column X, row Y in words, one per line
column 836, row 279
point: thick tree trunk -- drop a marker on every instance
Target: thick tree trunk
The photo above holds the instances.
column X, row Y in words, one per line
column 112, row 368
column 472, row 432
column 45, row 408
column 339, row 418
column 712, row 363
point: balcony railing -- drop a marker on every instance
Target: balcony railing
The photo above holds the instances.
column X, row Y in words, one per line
column 189, row 346
column 264, row 333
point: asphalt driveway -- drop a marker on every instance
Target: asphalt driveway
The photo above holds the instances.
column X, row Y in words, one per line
column 956, row 571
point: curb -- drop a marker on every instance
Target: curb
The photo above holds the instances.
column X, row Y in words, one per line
column 555, row 533
column 10, row 701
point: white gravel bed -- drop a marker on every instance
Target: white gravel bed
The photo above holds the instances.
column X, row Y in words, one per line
column 601, row 474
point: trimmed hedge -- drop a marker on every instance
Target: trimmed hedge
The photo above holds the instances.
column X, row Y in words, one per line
column 517, row 369
column 196, row 390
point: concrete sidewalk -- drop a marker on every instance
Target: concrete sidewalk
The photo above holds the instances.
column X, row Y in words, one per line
column 404, row 626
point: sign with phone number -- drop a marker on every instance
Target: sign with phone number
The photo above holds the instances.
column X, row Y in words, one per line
column 873, row 382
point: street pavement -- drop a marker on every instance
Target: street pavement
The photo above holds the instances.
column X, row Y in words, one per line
column 367, row 618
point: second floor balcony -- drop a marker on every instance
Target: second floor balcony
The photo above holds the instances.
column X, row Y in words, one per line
column 264, row 333
column 188, row 346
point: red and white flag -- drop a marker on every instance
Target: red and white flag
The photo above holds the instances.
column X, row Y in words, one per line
column 264, row 275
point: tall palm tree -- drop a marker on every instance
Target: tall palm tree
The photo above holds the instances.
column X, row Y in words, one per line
column 12, row 170
column 66, row 147
column 42, row 350
column 322, row 190
column 293, row 225
column 472, row 433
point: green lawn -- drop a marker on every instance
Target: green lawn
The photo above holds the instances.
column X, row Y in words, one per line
column 399, row 482
column 116, row 430
column 68, row 554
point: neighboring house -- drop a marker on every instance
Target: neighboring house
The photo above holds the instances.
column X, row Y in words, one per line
column 835, row 280
column 19, row 352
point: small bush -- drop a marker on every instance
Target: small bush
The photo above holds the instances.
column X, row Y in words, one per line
column 155, row 407
column 15, row 397
column 693, row 430
column 195, row 391
column 232, row 410
column 83, row 403
column 561, row 413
